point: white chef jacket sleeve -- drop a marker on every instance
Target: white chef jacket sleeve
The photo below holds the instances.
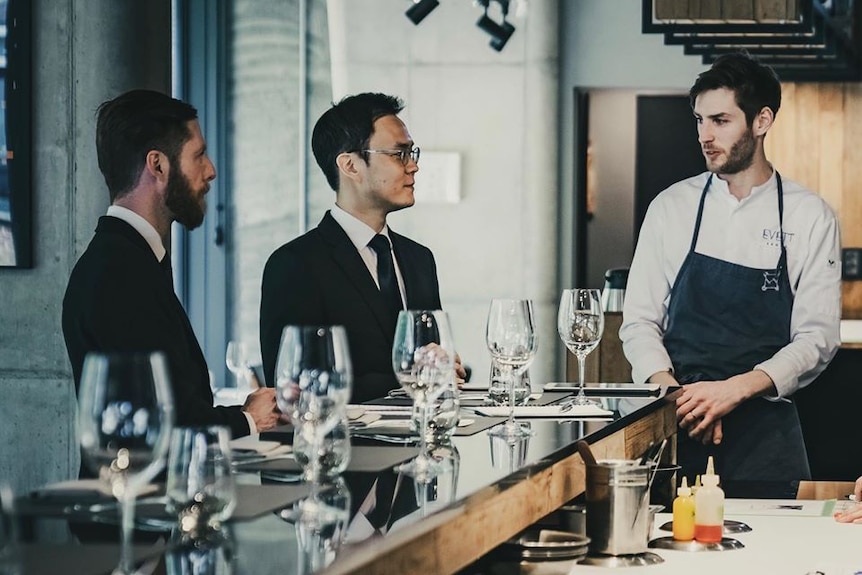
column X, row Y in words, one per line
column 815, row 321
column 647, row 293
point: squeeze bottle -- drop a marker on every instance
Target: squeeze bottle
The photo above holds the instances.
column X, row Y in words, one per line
column 683, row 513
column 709, row 507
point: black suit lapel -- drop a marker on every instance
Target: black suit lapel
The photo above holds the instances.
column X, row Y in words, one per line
column 344, row 254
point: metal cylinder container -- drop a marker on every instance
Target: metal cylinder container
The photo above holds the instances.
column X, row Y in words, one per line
column 618, row 519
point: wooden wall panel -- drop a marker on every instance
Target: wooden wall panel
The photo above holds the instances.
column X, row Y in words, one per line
column 813, row 142
column 738, row 10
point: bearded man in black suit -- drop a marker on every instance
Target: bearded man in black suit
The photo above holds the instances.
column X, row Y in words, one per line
column 120, row 296
column 353, row 270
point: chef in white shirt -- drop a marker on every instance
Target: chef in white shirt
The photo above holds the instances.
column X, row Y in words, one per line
column 716, row 300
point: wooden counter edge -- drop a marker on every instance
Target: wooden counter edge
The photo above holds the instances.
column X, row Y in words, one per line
column 449, row 543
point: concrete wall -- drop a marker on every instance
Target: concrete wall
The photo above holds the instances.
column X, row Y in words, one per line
column 498, row 111
column 83, row 53
column 601, row 46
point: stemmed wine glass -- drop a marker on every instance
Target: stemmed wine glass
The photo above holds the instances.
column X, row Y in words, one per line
column 580, row 323
column 236, row 359
column 423, row 359
column 125, row 416
column 513, row 341
column 314, row 378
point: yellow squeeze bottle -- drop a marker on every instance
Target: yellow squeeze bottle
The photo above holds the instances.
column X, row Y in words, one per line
column 709, row 508
column 683, row 513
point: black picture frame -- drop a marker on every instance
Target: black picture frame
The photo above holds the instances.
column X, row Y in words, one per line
column 16, row 197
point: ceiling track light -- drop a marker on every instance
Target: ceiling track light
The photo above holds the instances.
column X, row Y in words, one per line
column 420, row 9
column 500, row 32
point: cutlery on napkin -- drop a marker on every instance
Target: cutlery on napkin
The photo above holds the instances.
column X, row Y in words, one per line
column 557, row 411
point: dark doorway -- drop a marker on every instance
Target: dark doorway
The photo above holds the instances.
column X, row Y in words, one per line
column 666, row 149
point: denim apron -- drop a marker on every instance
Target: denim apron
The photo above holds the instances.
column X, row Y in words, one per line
column 723, row 319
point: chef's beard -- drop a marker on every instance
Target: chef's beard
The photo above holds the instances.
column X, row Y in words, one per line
column 741, row 155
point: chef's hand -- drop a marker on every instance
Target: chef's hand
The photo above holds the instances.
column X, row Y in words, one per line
column 701, row 404
column 712, row 434
column 857, row 491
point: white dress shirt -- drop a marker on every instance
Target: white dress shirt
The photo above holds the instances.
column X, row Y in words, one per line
column 149, row 233
column 360, row 234
column 743, row 232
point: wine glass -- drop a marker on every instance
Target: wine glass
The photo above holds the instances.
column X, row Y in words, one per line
column 200, row 488
column 314, row 378
column 125, row 416
column 423, row 359
column 580, row 323
column 236, row 359
column 513, row 341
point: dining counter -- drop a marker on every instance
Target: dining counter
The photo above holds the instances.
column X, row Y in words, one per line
column 496, row 490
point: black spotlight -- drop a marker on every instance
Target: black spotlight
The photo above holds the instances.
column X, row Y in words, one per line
column 500, row 33
column 420, row 9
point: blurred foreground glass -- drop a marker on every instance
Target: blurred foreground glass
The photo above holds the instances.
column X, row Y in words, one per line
column 423, row 359
column 334, row 454
column 314, row 378
column 513, row 340
column 580, row 323
column 200, row 488
column 437, row 492
column 319, row 535
column 211, row 556
column 443, row 416
column 125, row 416
column 10, row 557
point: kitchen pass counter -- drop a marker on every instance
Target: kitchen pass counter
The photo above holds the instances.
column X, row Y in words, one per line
column 780, row 543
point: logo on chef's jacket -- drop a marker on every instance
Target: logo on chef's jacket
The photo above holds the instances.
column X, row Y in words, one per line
column 771, row 237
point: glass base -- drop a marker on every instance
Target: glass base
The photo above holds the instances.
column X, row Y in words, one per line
column 581, row 400
column 511, row 430
column 422, row 468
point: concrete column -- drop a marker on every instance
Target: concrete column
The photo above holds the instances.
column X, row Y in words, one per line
column 83, row 52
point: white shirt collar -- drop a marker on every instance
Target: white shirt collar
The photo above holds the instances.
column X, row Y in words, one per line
column 721, row 185
column 358, row 231
column 142, row 226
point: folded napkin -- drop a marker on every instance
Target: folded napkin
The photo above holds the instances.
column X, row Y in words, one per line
column 405, row 423
column 557, row 411
column 251, row 444
column 84, row 489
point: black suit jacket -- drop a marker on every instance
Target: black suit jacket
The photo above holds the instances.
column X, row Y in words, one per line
column 120, row 299
column 320, row 279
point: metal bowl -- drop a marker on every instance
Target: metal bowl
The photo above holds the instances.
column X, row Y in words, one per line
column 543, row 544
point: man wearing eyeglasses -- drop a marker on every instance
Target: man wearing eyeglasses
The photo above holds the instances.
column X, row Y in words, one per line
column 353, row 270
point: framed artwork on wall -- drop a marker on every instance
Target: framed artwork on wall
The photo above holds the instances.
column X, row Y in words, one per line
column 16, row 201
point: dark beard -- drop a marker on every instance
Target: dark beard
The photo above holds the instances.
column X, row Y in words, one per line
column 741, row 155
column 181, row 201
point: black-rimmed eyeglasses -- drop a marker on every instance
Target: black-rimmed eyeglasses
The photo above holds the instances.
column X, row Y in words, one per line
column 404, row 154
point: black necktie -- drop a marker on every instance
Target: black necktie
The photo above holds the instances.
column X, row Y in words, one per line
column 386, row 272
column 166, row 267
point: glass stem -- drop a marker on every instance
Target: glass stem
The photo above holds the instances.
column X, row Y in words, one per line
column 512, row 372
column 316, row 445
column 127, row 557
column 581, row 361
column 423, row 425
